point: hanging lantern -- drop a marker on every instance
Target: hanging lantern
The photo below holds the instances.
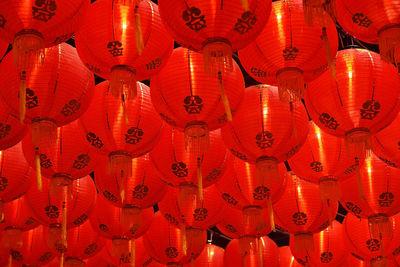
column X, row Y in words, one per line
column 323, row 160
column 318, row 12
column 123, row 43
column 68, row 159
column 102, row 257
column 211, row 256
column 300, row 212
column 288, row 52
column 34, row 250
column 358, row 103
column 215, row 29
column 242, row 189
column 286, row 258
column 143, row 189
column 376, row 198
column 11, row 129
column 132, row 134
column 183, row 169
column 329, row 249
column 250, row 256
column 257, row 134
column 121, row 225
column 170, row 245
column 377, row 251
column 375, row 22
column 190, row 100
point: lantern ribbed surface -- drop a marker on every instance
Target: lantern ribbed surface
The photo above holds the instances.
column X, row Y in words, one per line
column 286, row 258
column 211, row 256
column 19, row 215
column 11, row 129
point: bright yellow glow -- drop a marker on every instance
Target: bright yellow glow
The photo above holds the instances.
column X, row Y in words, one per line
column 369, row 169
column 124, row 26
column 279, row 11
column 124, row 10
column 265, row 111
column 278, row 16
column 350, row 75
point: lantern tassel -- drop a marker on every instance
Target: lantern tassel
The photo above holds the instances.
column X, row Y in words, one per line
column 314, row 12
column 10, row 259
column 217, row 58
column 271, row 214
column 253, row 218
column 28, row 49
column 122, row 191
column 44, row 132
column 260, row 253
column 183, row 237
column 329, row 189
column 197, row 138
column 64, row 224
column 138, row 31
column 61, row 184
column 303, row 242
column 389, row 44
column 245, row 4
column 38, row 170
column 119, row 164
column 380, row 226
column 22, row 97
column 224, row 98
column 293, row 118
column 131, row 217
column 358, row 143
column 191, row 263
column 133, row 251
column 123, row 82
column 328, row 54
column 62, row 259
column 267, row 171
column 290, row 84
column 120, row 247
column 247, row 246
column 200, row 179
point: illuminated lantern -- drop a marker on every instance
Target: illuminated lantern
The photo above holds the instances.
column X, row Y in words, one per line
column 123, row 43
column 288, row 52
column 263, row 252
column 211, row 256
column 385, row 144
column 375, row 22
column 323, row 160
column 3, row 48
column 318, row 12
column 300, row 212
column 358, row 103
column 11, row 129
column 68, row 159
column 190, row 100
column 34, row 251
column 143, row 189
column 286, row 258
column 121, row 227
column 329, row 249
column 241, row 189
column 257, row 134
column 183, row 169
column 100, row 258
column 377, row 251
column 215, row 29
column 376, row 200
column 121, row 135
column 170, row 245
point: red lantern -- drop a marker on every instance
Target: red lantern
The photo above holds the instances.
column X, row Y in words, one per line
column 286, row 258
column 376, row 22
column 189, row 210
column 11, row 129
column 376, row 200
column 190, row 100
column 323, row 160
column 123, row 43
column 122, row 226
column 68, row 159
column 360, row 243
column 216, row 29
column 260, row 252
column 300, row 212
column 211, row 256
column 101, row 258
column 295, row 54
column 182, row 169
column 170, row 245
column 329, row 249
column 258, row 135
column 143, row 189
column 241, row 189
column 356, row 104
column 118, row 134
column 318, row 12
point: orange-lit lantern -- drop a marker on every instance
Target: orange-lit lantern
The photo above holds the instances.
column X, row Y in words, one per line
column 260, row 252
column 286, row 258
column 358, row 103
column 375, row 21
column 318, row 12
column 300, row 212
column 289, row 52
column 376, row 199
column 172, row 246
column 216, row 29
column 211, row 256
column 11, row 129
column 123, row 43
column 323, row 160
column 190, row 100
column 257, row 134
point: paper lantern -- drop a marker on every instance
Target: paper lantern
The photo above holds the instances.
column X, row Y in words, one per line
column 143, row 189
column 323, row 160
column 211, row 256
column 123, row 43
column 257, row 134
column 170, row 245
column 289, row 52
column 11, row 129
column 286, row 258
column 357, row 104
column 117, row 134
column 318, row 12
column 216, row 29
column 300, row 212
column 183, row 169
column 260, row 252
column 102, row 257
column 376, row 198
column 373, row 22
